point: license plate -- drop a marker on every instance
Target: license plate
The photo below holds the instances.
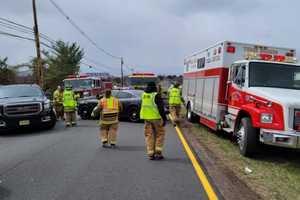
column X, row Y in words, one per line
column 24, row 123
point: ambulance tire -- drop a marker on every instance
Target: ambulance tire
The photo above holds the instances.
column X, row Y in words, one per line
column 247, row 138
column 191, row 117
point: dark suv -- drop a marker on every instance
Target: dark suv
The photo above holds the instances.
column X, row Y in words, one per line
column 25, row 106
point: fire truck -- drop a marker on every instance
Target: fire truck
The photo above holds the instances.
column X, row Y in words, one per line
column 249, row 90
column 140, row 80
column 86, row 85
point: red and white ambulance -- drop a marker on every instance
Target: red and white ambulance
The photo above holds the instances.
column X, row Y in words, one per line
column 252, row 91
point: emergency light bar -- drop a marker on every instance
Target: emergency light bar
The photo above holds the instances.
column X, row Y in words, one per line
column 270, row 57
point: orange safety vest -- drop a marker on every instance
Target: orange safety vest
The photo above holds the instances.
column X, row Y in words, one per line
column 110, row 110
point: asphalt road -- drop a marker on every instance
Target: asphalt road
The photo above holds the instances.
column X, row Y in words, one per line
column 70, row 164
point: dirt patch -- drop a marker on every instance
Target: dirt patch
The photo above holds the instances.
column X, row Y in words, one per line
column 228, row 183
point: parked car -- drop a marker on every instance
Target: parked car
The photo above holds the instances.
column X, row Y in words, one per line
column 25, row 106
column 130, row 100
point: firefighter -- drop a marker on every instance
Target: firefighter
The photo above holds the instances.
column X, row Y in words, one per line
column 69, row 102
column 175, row 102
column 152, row 111
column 109, row 108
column 58, row 96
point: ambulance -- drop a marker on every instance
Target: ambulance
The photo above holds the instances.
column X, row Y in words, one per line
column 249, row 90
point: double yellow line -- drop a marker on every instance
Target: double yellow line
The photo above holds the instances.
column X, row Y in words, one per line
column 199, row 171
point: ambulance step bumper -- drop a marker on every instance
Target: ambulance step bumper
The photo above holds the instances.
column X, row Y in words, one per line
column 289, row 139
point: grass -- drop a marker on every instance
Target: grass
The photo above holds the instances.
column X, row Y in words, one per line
column 275, row 171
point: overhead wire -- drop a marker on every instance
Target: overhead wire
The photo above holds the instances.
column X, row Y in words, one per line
column 27, row 30
column 81, row 31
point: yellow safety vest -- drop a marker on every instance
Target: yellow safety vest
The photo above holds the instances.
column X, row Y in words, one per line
column 149, row 110
column 174, row 96
column 69, row 101
column 110, row 110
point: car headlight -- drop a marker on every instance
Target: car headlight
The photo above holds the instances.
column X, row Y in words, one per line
column 266, row 118
column 47, row 105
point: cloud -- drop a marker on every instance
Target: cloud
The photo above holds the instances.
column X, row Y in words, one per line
column 154, row 35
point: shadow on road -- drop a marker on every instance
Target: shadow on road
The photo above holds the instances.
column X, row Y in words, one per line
column 27, row 132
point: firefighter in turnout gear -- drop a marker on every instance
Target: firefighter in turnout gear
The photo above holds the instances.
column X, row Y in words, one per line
column 70, row 103
column 58, row 101
column 175, row 101
column 152, row 111
column 109, row 108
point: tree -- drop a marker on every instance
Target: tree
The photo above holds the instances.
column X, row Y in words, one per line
column 8, row 76
column 65, row 60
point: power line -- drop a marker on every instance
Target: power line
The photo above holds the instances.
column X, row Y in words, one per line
column 81, row 31
column 22, row 28
column 24, row 38
column 27, row 30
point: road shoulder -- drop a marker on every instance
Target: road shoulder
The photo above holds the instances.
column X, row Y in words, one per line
column 229, row 185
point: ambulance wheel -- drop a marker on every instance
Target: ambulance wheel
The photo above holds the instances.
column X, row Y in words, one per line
column 191, row 117
column 247, row 137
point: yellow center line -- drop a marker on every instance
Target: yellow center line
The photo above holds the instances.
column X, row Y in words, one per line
column 199, row 171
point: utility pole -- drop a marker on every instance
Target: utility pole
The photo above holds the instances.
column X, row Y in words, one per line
column 39, row 67
column 122, row 75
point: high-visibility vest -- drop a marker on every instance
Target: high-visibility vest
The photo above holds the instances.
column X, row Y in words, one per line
column 110, row 110
column 149, row 110
column 174, row 96
column 58, row 97
column 69, row 101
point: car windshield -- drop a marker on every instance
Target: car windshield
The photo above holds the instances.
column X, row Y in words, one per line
column 76, row 84
column 19, row 91
column 138, row 81
column 137, row 93
column 274, row 75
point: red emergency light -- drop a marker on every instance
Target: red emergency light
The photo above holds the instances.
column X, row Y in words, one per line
column 230, row 49
column 266, row 56
column 279, row 58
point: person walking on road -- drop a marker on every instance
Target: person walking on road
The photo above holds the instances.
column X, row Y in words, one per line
column 69, row 103
column 109, row 108
column 152, row 111
column 175, row 102
column 58, row 97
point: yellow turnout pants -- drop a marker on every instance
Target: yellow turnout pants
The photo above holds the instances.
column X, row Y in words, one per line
column 108, row 133
column 155, row 136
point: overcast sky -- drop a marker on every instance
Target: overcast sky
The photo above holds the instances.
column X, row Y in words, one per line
column 154, row 35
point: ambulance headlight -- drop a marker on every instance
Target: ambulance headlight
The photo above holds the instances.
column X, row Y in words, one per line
column 266, row 118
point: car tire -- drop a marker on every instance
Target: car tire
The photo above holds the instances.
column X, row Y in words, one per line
column 85, row 114
column 247, row 137
column 191, row 117
column 134, row 114
column 52, row 123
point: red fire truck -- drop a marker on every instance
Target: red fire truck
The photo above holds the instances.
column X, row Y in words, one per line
column 252, row 91
column 86, row 85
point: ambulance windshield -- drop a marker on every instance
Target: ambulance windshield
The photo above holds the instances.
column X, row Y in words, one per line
column 274, row 75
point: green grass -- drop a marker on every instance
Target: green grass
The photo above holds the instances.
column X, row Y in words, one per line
column 276, row 171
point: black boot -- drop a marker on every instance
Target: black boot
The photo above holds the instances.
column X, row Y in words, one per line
column 159, row 156
column 104, row 145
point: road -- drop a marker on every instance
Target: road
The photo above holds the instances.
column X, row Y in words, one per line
column 69, row 163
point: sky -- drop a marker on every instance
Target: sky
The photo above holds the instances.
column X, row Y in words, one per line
column 152, row 35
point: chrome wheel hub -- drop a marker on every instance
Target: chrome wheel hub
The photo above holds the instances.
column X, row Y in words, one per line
column 241, row 137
